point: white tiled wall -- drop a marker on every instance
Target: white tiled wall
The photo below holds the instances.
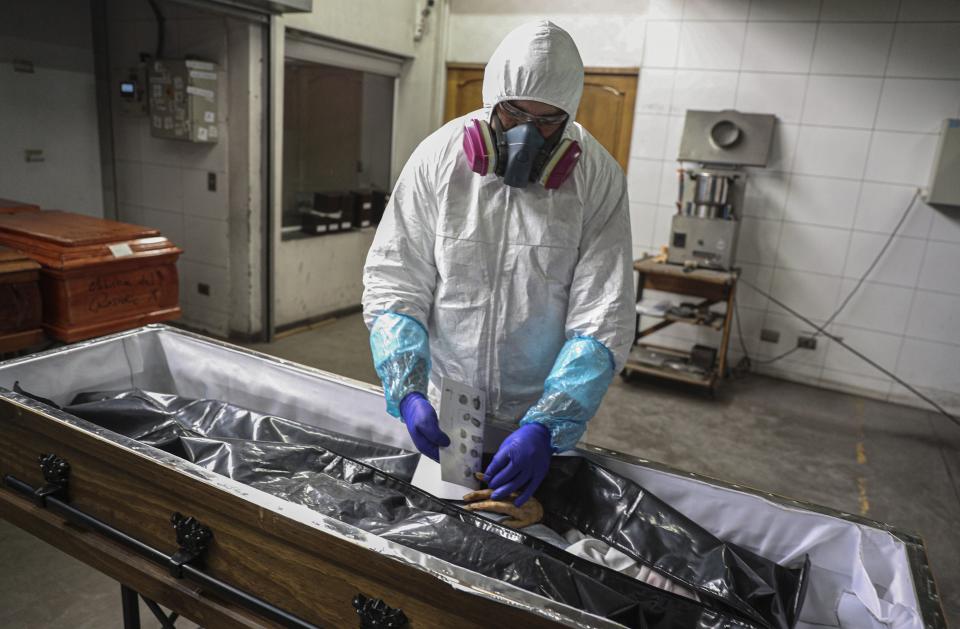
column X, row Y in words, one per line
column 860, row 89
column 163, row 183
column 64, row 126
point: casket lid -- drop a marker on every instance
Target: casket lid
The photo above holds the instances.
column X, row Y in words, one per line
column 9, row 205
column 60, row 239
column 72, row 230
column 13, row 261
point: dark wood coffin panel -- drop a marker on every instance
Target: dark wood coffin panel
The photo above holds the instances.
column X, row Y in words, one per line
column 98, row 276
column 20, row 306
column 113, row 559
column 304, row 571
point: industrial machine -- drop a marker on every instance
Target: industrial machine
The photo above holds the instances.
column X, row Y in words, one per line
column 710, row 194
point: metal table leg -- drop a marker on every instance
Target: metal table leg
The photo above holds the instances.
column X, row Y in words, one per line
column 131, row 608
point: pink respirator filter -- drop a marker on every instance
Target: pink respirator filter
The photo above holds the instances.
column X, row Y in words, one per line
column 561, row 165
column 478, row 147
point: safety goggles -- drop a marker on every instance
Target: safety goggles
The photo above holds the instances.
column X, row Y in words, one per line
column 523, row 117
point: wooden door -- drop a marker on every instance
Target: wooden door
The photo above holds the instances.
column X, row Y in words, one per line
column 606, row 108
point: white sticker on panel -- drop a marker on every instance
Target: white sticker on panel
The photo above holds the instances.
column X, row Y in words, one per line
column 197, row 74
column 120, row 250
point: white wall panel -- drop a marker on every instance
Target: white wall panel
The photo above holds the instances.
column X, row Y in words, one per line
column 711, row 45
column 52, row 109
column 779, row 46
column 842, row 101
column 761, row 92
column 859, row 10
column 926, row 50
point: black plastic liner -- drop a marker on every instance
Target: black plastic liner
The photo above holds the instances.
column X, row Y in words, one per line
column 367, row 485
column 640, row 525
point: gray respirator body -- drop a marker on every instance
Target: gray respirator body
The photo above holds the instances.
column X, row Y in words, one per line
column 524, row 143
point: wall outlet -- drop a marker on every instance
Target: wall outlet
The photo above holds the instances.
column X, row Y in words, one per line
column 806, row 342
column 769, row 336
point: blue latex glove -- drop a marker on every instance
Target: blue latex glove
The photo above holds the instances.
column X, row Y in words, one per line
column 423, row 425
column 521, row 463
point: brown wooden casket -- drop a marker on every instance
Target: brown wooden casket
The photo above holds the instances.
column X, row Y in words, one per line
column 313, row 565
column 9, row 206
column 98, row 276
column 20, row 314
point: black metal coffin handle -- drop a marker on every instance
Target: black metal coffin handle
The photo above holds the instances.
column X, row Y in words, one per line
column 375, row 614
column 56, row 476
column 193, row 540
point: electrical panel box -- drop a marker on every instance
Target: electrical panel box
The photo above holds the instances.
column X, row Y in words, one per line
column 943, row 192
column 183, row 100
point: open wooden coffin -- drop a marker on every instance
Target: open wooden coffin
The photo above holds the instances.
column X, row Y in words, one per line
column 862, row 573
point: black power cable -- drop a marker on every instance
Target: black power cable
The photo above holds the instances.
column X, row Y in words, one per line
column 821, row 329
column 161, row 27
column 747, row 361
column 855, row 352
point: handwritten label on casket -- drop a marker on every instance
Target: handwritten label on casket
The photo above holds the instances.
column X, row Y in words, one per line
column 125, row 292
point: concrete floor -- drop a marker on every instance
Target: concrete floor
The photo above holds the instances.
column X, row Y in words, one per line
column 895, row 464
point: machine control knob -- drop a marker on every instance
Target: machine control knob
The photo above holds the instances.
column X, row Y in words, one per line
column 725, row 134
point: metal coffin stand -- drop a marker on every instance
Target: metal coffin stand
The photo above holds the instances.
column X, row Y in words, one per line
column 306, row 568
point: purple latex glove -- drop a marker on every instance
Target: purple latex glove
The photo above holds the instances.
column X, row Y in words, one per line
column 521, row 463
column 423, row 425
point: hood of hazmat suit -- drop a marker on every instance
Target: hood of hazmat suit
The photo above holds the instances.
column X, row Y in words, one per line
column 524, row 293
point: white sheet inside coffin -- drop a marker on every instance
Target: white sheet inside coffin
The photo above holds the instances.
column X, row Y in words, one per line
column 860, row 576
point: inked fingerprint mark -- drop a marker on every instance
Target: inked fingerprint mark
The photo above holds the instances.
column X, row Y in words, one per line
column 463, row 433
column 476, row 422
column 476, row 403
column 476, row 438
column 466, row 417
column 463, row 399
column 463, row 448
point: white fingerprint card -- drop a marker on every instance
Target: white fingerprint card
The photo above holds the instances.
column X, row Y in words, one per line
column 462, row 412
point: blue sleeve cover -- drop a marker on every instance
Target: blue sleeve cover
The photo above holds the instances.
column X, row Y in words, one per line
column 573, row 391
column 401, row 356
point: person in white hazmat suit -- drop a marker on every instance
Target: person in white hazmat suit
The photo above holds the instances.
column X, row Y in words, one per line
column 503, row 261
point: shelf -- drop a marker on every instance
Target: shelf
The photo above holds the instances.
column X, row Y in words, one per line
column 632, row 365
column 709, row 276
column 671, row 374
column 716, row 324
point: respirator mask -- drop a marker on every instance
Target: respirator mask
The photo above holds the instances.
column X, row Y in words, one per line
column 520, row 154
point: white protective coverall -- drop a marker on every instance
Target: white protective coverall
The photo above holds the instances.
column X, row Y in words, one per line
column 511, row 285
